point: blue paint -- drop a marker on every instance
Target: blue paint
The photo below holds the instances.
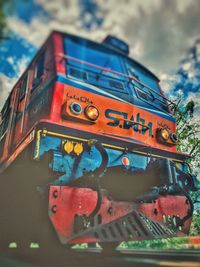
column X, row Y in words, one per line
column 114, row 43
column 70, row 166
column 113, row 83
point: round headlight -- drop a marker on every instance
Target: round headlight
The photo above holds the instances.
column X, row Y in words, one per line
column 164, row 133
column 174, row 138
column 92, row 113
column 75, row 108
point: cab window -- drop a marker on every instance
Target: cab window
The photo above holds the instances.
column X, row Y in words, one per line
column 94, row 64
column 5, row 114
column 145, row 86
column 23, row 87
column 39, row 70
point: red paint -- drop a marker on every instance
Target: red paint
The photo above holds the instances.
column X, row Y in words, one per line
column 125, row 161
column 58, row 49
column 80, row 201
column 194, row 240
column 71, row 201
column 167, row 206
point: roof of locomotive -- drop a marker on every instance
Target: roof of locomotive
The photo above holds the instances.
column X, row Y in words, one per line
column 117, row 52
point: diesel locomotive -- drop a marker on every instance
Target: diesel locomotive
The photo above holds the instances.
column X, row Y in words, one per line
column 88, row 150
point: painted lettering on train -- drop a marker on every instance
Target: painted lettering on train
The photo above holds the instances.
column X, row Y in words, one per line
column 124, row 121
column 83, row 99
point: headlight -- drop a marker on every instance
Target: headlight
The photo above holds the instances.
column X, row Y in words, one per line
column 75, row 108
column 92, row 113
column 164, row 134
column 174, row 138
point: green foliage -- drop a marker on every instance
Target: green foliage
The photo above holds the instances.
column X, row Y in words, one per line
column 188, row 131
column 3, row 25
column 168, row 243
column 195, row 227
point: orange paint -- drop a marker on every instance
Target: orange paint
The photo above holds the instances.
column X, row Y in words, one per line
column 65, row 95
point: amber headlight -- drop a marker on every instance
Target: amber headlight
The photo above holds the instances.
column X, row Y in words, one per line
column 92, row 113
column 164, row 134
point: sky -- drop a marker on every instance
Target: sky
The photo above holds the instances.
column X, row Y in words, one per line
column 160, row 32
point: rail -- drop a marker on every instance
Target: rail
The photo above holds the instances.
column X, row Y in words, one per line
column 95, row 257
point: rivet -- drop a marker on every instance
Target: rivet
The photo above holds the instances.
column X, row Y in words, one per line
column 54, row 208
column 155, row 211
column 55, row 193
column 110, row 209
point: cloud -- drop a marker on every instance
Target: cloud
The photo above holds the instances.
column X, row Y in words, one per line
column 7, row 83
column 166, row 32
column 158, row 32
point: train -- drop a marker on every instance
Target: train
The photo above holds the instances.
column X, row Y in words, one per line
column 88, row 151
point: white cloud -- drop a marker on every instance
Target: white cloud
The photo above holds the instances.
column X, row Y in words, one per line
column 158, row 31
column 167, row 81
column 6, row 83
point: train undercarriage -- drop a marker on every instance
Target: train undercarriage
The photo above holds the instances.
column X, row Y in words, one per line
column 109, row 204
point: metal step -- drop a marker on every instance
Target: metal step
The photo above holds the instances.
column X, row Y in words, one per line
column 133, row 226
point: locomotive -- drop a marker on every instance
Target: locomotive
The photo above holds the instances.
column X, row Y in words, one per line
column 88, row 150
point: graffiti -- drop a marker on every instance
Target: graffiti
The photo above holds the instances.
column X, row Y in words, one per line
column 122, row 120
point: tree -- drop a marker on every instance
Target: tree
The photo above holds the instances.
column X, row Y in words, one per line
column 195, row 226
column 3, row 24
column 188, row 131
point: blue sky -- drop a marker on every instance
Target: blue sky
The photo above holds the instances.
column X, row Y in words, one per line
column 26, row 10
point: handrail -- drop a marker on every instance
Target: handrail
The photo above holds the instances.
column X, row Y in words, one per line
column 114, row 72
column 149, row 93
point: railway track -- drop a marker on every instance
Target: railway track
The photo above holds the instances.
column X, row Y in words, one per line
column 96, row 258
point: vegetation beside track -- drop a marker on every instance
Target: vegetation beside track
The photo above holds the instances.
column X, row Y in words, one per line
column 168, row 243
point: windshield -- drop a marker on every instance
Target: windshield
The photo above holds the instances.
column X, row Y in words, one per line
column 87, row 53
column 97, row 65
column 145, row 85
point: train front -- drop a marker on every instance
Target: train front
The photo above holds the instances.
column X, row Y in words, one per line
column 112, row 140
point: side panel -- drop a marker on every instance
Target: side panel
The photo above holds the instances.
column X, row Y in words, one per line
column 6, row 124
column 34, row 104
column 30, row 101
column 58, row 51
